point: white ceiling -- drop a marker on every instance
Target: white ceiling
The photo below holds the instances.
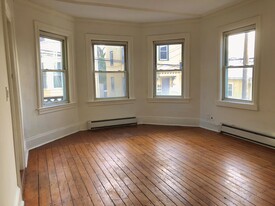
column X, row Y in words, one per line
column 137, row 10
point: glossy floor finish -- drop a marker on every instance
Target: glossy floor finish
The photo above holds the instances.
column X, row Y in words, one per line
column 150, row 165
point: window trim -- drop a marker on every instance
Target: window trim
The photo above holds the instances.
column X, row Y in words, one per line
column 111, row 43
column 54, row 32
column 230, row 29
column 91, row 96
column 167, row 43
column 64, row 70
column 184, row 98
column 225, row 65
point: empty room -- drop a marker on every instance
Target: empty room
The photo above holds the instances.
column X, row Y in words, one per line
column 149, row 102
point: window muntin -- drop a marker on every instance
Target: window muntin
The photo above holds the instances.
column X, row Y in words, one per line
column 168, row 74
column 53, row 57
column 110, row 70
column 238, row 68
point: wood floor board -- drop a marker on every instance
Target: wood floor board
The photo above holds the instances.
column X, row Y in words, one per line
column 223, row 178
column 150, row 165
column 241, row 177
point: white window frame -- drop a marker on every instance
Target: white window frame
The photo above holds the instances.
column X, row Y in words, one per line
column 90, row 69
column 70, row 82
column 233, row 103
column 109, row 43
column 182, row 37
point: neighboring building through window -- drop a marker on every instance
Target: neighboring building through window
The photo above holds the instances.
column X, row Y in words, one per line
column 238, row 66
column 111, row 58
column 53, row 56
column 230, row 90
column 109, row 78
column 163, row 52
column 169, row 73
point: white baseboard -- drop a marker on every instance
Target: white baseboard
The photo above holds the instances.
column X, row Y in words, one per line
column 18, row 198
column 209, row 126
column 44, row 138
column 168, row 121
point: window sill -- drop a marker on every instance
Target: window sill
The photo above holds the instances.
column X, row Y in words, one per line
column 109, row 102
column 168, row 100
column 237, row 105
column 55, row 108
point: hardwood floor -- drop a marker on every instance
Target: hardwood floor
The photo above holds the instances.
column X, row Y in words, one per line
column 150, row 165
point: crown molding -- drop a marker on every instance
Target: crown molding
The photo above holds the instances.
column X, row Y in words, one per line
column 223, row 9
column 45, row 9
column 172, row 22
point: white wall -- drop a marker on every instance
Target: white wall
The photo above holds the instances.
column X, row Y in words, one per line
column 42, row 128
column 9, row 192
column 263, row 119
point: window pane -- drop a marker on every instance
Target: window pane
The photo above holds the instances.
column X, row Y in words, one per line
column 109, row 57
column 111, row 85
column 172, row 53
column 241, row 81
column 241, row 49
column 251, row 47
column 55, row 90
column 168, row 83
column 51, row 53
column 236, row 50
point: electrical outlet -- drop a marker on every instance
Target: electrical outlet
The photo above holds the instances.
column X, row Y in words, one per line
column 209, row 117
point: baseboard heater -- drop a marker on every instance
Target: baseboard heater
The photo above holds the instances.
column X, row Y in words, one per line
column 256, row 137
column 92, row 125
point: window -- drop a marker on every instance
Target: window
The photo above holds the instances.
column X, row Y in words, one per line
column 109, row 84
column 239, row 55
column 163, row 52
column 53, row 68
column 54, row 64
column 168, row 61
column 239, row 63
column 168, row 74
column 109, row 78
